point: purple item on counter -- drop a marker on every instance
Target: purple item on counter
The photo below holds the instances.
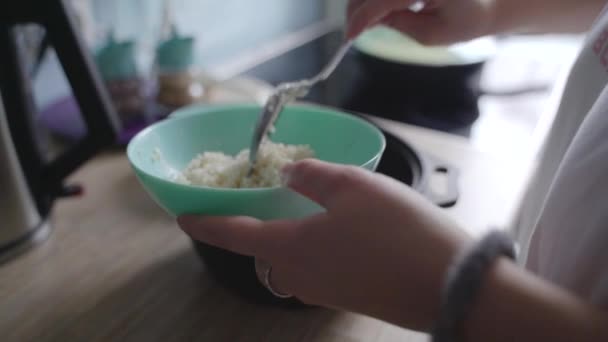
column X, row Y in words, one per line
column 63, row 118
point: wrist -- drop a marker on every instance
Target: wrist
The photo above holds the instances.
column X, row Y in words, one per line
column 514, row 305
column 420, row 297
column 410, row 295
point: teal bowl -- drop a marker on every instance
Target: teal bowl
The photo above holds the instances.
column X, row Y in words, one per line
column 165, row 148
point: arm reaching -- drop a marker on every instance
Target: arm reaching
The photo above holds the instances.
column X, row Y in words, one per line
column 449, row 21
column 545, row 16
column 383, row 250
column 515, row 305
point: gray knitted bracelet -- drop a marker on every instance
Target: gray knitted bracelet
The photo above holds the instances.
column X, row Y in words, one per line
column 464, row 280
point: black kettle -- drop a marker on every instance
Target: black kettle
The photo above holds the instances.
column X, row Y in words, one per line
column 29, row 184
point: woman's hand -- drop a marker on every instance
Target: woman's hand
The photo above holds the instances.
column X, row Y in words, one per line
column 380, row 249
column 440, row 22
column 449, row 21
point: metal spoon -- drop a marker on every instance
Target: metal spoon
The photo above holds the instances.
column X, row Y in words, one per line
column 285, row 93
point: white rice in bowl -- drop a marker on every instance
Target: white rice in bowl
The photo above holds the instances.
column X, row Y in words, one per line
column 218, row 170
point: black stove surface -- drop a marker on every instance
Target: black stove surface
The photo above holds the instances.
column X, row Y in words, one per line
column 352, row 88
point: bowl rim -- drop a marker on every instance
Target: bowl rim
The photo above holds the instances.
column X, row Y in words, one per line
column 194, row 110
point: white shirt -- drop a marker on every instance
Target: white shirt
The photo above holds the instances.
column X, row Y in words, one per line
column 562, row 225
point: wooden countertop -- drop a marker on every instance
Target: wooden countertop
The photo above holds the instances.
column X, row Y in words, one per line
column 117, row 268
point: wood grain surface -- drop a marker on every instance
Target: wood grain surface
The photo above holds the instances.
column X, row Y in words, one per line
column 116, row 267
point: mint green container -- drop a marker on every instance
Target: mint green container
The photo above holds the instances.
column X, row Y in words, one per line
column 176, row 53
column 116, row 60
column 167, row 147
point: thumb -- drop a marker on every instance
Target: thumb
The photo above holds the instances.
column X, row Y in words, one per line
column 322, row 182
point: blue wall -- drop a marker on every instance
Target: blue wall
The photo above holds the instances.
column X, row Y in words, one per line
column 224, row 29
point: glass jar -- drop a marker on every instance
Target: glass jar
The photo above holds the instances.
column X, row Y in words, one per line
column 117, row 64
column 178, row 78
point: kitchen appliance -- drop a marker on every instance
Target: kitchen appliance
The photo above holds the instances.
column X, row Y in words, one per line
column 30, row 182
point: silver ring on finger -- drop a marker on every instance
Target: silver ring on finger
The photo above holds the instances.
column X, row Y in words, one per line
column 268, row 285
column 264, row 271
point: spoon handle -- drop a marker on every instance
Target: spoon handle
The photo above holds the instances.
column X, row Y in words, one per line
column 333, row 63
column 285, row 93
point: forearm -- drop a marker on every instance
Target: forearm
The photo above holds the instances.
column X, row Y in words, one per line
column 545, row 16
column 514, row 305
